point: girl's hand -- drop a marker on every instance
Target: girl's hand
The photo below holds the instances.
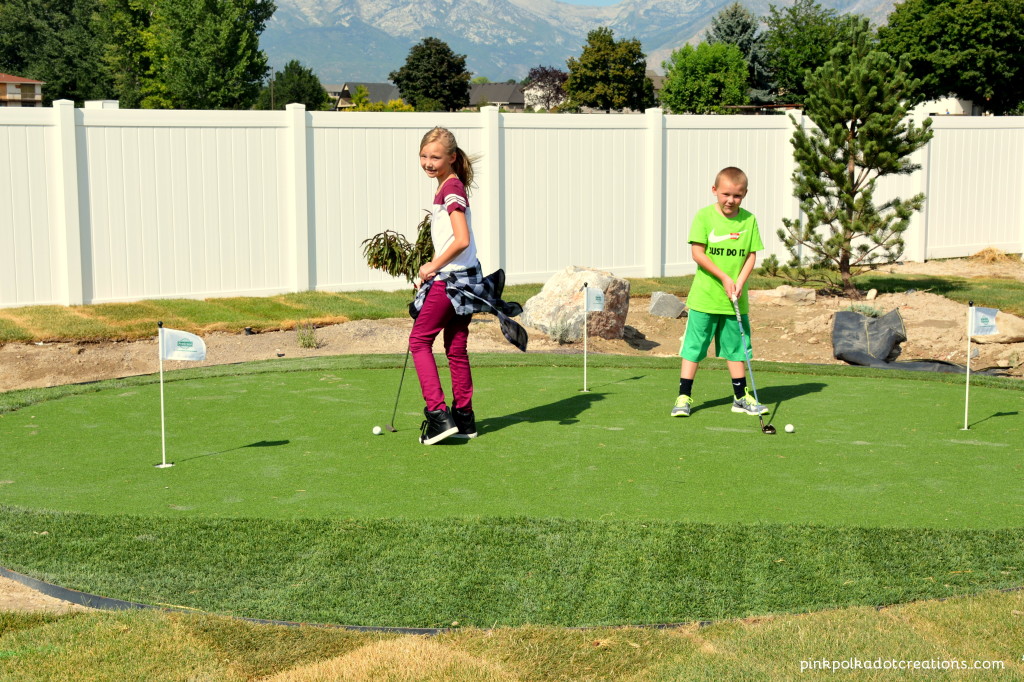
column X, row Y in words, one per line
column 427, row 272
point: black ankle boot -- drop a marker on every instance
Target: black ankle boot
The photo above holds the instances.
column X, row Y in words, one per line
column 437, row 426
column 466, row 421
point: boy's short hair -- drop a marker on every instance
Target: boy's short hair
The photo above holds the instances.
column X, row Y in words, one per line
column 733, row 175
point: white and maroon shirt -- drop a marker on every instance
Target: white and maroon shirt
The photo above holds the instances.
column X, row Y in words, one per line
column 451, row 197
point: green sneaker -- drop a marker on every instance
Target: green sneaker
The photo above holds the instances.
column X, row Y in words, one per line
column 682, row 406
column 748, row 405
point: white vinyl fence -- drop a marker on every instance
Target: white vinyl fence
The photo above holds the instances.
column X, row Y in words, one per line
column 102, row 204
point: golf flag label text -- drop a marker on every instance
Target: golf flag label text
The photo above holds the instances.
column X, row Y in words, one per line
column 595, row 300
column 179, row 345
column 983, row 321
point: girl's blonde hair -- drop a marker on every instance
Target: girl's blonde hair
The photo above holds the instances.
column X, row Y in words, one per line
column 463, row 164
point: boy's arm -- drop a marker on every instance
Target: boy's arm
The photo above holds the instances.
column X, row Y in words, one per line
column 748, row 267
column 700, row 256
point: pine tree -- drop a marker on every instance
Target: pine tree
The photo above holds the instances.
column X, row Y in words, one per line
column 858, row 102
column 736, row 25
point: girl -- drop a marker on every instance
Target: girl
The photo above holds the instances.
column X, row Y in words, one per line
column 454, row 268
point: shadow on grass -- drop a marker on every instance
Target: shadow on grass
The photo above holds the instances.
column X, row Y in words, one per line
column 257, row 444
column 772, row 396
column 992, row 416
column 889, row 284
column 565, row 412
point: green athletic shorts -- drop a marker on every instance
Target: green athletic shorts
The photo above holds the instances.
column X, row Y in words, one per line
column 702, row 327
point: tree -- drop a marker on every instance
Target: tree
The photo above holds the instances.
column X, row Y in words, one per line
column 798, row 40
column 547, row 85
column 705, row 79
column 858, row 101
column 204, row 54
column 296, row 84
column 609, row 74
column 126, row 30
column 433, row 72
column 56, row 41
column 736, row 25
column 973, row 49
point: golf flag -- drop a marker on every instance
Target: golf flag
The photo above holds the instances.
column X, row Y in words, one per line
column 595, row 300
column 179, row 345
column 983, row 321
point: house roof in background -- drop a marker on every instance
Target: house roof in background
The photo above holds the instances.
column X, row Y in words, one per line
column 495, row 93
column 8, row 78
column 379, row 92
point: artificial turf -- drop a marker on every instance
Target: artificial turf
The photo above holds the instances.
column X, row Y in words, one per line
column 867, row 451
column 571, row 508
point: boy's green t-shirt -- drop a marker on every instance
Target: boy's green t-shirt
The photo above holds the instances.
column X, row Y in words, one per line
column 727, row 242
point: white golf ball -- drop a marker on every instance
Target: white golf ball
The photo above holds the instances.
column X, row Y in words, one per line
column 377, row 430
column 790, row 428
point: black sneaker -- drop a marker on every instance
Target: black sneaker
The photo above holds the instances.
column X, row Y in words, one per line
column 466, row 421
column 437, row 426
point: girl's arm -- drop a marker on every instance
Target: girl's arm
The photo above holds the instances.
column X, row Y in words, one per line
column 460, row 230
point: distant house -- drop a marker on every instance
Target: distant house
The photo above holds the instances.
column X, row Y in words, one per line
column 20, row 92
column 507, row 95
column 379, row 92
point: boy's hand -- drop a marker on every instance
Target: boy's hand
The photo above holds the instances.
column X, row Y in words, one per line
column 731, row 288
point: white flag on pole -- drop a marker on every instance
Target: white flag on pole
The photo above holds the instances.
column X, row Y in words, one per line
column 595, row 300
column 983, row 322
column 179, row 345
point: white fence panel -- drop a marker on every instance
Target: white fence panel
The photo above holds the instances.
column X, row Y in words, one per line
column 975, row 190
column 28, row 224
column 574, row 193
column 116, row 205
column 182, row 207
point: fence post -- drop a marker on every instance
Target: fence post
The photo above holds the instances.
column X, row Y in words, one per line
column 297, row 187
column 916, row 236
column 491, row 238
column 654, row 193
column 68, row 261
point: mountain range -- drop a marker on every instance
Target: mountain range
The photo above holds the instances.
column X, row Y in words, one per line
column 365, row 40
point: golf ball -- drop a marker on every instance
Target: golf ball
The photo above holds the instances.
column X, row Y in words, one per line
column 377, row 431
column 790, row 428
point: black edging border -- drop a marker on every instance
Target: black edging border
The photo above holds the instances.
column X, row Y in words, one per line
column 109, row 604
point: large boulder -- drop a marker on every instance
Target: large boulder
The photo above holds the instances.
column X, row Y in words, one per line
column 558, row 309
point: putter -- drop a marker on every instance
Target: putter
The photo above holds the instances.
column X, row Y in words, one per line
column 747, row 351
column 390, row 425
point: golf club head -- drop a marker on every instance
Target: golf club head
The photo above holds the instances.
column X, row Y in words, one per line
column 768, row 429
column 390, row 429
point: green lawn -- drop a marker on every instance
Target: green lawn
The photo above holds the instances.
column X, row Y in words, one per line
column 570, row 509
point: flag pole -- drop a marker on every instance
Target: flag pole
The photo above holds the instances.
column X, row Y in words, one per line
column 585, row 335
column 163, row 432
column 967, row 394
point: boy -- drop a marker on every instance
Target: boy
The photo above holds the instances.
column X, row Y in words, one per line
column 723, row 240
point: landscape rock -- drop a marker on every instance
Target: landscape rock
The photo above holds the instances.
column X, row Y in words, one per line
column 783, row 295
column 558, row 309
column 664, row 304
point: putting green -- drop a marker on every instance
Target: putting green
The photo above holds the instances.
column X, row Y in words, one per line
column 869, row 450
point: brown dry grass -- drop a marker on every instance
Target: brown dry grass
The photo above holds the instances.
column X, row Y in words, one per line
column 409, row 659
column 992, row 255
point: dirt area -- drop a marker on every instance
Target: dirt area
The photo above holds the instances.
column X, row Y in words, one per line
column 781, row 333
